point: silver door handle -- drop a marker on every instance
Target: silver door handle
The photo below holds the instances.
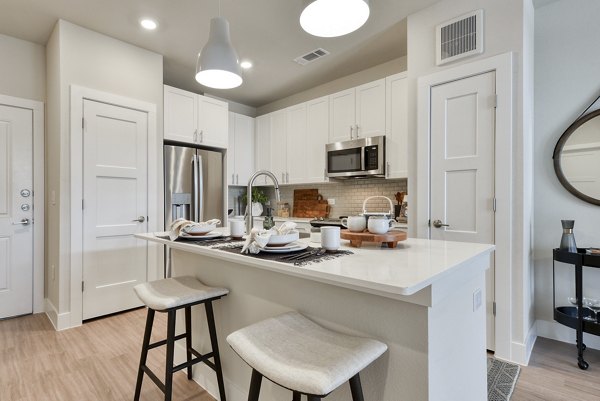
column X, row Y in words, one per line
column 283, row 177
column 196, row 135
column 237, row 179
column 356, row 131
column 351, row 128
column 140, row 219
column 439, row 224
column 24, row 222
column 201, row 136
column 233, row 179
column 287, row 177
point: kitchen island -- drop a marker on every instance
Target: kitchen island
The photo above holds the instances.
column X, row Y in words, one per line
column 423, row 299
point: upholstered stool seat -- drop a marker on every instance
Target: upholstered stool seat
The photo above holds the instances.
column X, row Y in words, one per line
column 170, row 295
column 302, row 356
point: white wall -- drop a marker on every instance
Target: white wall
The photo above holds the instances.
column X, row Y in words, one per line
column 507, row 29
column 566, row 82
column 22, row 69
column 78, row 56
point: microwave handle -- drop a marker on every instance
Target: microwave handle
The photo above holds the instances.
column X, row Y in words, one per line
column 363, row 156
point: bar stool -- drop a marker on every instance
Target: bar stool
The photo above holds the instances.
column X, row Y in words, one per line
column 298, row 354
column 168, row 296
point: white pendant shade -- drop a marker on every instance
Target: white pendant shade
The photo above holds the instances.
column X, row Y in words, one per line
column 218, row 65
column 331, row 18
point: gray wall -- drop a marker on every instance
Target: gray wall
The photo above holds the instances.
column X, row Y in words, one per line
column 566, row 81
column 22, row 69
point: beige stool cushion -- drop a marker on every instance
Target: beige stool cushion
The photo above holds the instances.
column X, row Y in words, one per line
column 300, row 355
column 174, row 292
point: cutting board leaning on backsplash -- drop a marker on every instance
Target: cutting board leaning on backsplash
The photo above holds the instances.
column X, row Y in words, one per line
column 309, row 203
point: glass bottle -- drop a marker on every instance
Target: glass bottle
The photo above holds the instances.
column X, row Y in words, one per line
column 567, row 242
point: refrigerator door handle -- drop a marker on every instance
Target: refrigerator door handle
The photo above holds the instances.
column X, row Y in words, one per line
column 200, row 191
column 195, row 188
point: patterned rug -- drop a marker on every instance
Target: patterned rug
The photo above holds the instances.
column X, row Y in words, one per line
column 502, row 378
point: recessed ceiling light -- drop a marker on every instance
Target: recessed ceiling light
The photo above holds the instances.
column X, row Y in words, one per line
column 246, row 64
column 148, row 24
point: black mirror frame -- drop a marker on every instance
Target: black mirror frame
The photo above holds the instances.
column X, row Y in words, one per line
column 558, row 150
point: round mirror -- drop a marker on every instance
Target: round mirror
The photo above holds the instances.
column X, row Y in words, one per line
column 577, row 158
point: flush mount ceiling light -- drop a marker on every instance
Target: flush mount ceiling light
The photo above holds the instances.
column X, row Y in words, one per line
column 148, row 24
column 331, row 18
column 218, row 65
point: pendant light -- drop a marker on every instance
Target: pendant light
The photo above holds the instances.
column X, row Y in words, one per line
column 218, row 65
column 331, row 18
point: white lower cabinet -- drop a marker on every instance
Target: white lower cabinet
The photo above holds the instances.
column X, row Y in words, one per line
column 240, row 153
column 396, row 127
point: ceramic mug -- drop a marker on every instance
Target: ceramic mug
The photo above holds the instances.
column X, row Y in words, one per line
column 379, row 225
column 355, row 224
column 330, row 238
column 237, row 228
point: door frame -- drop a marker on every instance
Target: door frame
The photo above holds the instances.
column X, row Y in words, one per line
column 78, row 95
column 39, row 200
column 502, row 65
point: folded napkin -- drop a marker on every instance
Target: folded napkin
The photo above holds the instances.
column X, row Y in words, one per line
column 259, row 238
column 184, row 225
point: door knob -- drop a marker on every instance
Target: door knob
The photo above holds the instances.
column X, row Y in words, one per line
column 24, row 222
column 140, row 219
column 439, row 224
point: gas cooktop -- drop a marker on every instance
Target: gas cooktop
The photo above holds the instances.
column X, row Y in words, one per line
column 328, row 222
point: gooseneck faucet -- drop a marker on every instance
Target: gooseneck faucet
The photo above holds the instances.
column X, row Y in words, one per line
column 249, row 217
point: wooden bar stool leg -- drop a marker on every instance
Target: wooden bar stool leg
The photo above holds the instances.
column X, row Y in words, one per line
column 170, row 354
column 356, row 388
column 255, row 382
column 144, row 355
column 210, row 317
column 297, row 396
column 314, row 398
column 188, row 338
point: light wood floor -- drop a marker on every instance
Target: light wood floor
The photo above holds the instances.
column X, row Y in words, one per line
column 95, row 362
column 98, row 362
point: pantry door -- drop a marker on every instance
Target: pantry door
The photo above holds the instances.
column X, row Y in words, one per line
column 463, row 120
column 16, row 211
column 115, row 207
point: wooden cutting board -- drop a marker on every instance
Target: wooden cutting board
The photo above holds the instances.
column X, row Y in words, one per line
column 391, row 238
column 308, row 203
column 306, row 194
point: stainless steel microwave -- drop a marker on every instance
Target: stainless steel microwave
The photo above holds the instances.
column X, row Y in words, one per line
column 364, row 157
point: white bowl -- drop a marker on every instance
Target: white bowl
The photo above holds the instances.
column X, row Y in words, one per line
column 202, row 229
column 281, row 240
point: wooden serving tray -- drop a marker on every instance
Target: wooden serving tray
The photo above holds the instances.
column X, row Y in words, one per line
column 391, row 238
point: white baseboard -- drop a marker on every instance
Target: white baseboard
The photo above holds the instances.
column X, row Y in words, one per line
column 521, row 352
column 207, row 379
column 559, row 332
column 60, row 321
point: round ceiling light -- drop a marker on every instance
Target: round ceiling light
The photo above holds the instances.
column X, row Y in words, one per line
column 246, row 64
column 148, row 24
column 218, row 65
column 331, row 18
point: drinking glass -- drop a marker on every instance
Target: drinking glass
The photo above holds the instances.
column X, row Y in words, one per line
column 594, row 305
column 587, row 304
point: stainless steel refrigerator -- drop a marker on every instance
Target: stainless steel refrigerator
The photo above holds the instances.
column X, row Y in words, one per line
column 194, row 184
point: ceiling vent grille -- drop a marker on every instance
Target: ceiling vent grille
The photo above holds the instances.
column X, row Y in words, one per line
column 311, row 56
column 460, row 37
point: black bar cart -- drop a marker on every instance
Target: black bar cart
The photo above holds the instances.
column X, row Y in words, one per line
column 573, row 316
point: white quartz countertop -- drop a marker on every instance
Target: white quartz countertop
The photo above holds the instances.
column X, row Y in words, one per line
column 412, row 266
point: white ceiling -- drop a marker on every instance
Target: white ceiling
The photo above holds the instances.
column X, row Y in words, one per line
column 264, row 31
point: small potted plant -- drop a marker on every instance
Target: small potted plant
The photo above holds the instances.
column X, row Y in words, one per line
column 258, row 200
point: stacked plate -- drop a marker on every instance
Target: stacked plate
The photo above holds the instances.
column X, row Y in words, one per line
column 285, row 243
column 200, row 232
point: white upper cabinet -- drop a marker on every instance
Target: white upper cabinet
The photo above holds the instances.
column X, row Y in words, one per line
column 317, row 129
column 278, row 132
column 195, row 119
column 357, row 112
column 397, row 126
column 297, row 143
column 240, row 153
column 180, row 114
column 262, row 146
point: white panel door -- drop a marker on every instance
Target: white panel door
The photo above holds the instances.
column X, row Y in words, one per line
column 231, row 151
column 370, row 109
column 213, row 119
column 181, row 115
column 462, row 167
column 16, row 206
column 244, row 148
column 317, row 130
column 115, row 207
column 262, row 147
column 296, row 144
column 342, row 116
column 396, row 141
column 279, row 145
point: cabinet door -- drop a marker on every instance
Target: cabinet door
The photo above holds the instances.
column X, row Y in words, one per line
column 297, row 156
column 370, row 109
column 262, row 146
column 317, row 129
column 181, row 114
column 396, row 126
column 212, row 122
column 279, row 145
column 231, row 156
column 342, row 109
column 244, row 149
